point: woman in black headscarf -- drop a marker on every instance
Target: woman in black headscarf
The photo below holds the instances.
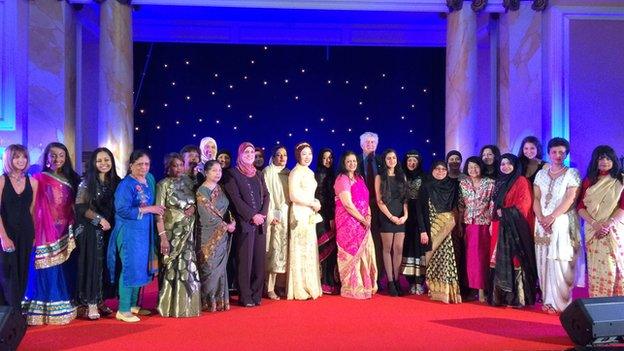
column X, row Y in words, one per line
column 413, row 265
column 436, row 220
column 514, row 274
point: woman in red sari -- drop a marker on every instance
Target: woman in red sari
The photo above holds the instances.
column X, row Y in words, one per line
column 356, row 253
column 513, row 258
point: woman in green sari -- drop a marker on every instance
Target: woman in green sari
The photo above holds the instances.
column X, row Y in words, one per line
column 179, row 289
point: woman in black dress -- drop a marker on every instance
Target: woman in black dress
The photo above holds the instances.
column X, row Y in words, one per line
column 413, row 265
column 490, row 155
column 391, row 195
column 95, row 214
column 17, row 230
column 326, row 230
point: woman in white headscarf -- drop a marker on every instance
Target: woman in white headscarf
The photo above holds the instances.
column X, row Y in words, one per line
column 276, row 178
column 208, row 149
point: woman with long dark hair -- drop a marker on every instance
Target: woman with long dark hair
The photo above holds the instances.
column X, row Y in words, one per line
column 490, row 155
column 413, row 264
column 50, row 291
column 531, row 155
column 391, row 195
column 601, row 205
column 17, row 229
column 95, row 217
column 513, row 257
column 326, row 230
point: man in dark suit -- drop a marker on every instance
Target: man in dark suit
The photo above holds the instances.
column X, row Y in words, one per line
column 369, row 165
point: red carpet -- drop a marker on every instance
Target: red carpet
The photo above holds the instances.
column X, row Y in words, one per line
column 331, row 322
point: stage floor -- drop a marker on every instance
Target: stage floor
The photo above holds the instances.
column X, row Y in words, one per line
column 329, row 323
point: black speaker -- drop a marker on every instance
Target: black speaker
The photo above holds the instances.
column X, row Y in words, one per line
column 12, row 328
column 594, row 321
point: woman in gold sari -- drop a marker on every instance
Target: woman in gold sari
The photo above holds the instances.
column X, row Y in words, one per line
column 179, row 289
column 438, row 200
column 215, row 240
column 602, row 208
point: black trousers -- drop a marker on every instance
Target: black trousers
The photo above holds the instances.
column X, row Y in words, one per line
column 250, row 248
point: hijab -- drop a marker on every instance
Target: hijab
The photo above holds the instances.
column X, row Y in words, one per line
column 202, row 145
column 247, row 169
column 504, row 182
column 443, row 193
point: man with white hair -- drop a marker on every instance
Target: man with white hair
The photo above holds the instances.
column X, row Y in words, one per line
column 369, row 165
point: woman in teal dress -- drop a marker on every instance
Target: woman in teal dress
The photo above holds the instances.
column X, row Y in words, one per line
column 179, row 289
column 215, row 240
column 132, row 240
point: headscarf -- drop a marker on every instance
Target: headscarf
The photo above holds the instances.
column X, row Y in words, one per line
column 443, row 193
column 202, row 145
column 453, row 152
column 411, row 175
column 504, row 182
column 247, row 169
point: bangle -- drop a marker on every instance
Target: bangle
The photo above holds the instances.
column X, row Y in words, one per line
column 163, row 232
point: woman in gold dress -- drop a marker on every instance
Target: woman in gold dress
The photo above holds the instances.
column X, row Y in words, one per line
column 179, row 290
column 304, row 277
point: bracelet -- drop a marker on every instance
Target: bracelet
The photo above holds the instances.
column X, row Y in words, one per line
column 163, row 232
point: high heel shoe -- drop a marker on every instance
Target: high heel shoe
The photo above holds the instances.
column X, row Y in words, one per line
column 397, row 286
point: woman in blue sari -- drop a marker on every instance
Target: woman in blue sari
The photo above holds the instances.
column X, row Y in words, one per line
column 132, row 240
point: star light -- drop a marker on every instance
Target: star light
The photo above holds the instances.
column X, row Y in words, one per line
column 328, row 81
column 322, row 119
column 173, row 84
column 425, row 90
column 178, row 122
column 434, row 154
column 360, row 103
column 427, row 141
column 252, row 62
column 136, row 128
column 165, row 104
column 157, row 127
column 265, row 82
column 277, row 142
column 149, row 146
column 165, row 65
column 413, row 106
column 228, row 106
column 306, row 129
column 188, row 97
column 216, row 75
column 250, row 116
column 289, row 134
column 411, row 131
column 218, row 121
column 286, row 81
column 366, row 87
column 342, row 144
column 245, row 77
column 303, row 70
column 231, row 86
column 213, row 93
column 333, row 131
column 201, row 120
column 402, row 117
column 266, row 48
column 142, row 111
column 346, row 82
column 235, row 128
column 187, row 62
column 349, row 129
column 296, row 97
column 194, row 135
column 402, row 87
column 366, row 118
column 383, row 75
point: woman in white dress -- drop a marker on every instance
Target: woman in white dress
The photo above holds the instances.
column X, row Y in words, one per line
column 557, row 235
column 304, row 276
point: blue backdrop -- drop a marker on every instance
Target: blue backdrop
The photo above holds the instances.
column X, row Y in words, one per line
column 273, row 95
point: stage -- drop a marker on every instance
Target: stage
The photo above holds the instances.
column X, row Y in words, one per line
column 329, row 323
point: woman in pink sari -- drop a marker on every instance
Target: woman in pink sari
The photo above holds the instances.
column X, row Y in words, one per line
column 48, row 297
column 356, row 253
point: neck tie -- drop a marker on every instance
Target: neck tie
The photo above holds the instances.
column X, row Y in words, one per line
column 370, row 174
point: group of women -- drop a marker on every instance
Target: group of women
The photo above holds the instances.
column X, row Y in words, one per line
column 505, row 230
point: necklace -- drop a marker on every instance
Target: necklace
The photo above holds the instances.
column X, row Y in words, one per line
column 17, row 177
column 554, row 173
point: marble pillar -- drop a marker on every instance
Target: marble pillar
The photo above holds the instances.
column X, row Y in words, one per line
column 461, row 81
column 115, row 112
column 520, row 77
column 51, row 76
